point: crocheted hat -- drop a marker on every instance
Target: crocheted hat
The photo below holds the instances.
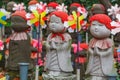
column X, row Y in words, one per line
column 75, row 5
column 102, row 18
column 98, row 9
column 32, row 2
column 53, row 4
column 61, row 14
column 21, row 13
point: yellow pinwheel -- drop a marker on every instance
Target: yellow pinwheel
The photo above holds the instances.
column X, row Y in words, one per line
column 2, row 19
column 4, row 78
column 38, row 18
column 75, row 21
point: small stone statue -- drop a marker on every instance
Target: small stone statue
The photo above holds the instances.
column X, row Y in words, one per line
column 58, row 45
column 100, row 63
column 19, row 43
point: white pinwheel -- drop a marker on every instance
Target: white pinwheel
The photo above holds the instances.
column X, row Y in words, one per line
column 114, row 10
column 62, row 7
column 19, row 7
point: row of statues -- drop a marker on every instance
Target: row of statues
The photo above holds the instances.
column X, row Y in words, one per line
column 58, row 63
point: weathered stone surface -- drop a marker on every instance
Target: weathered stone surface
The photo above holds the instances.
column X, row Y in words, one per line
column 48, row 77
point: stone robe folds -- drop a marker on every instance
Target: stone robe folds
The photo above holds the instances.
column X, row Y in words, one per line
column 105, row 53
column 61, row 48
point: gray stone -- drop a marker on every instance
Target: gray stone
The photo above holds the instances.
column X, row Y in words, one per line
column 48, row 77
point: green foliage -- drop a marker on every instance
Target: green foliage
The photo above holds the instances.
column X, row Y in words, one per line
column 86, row 3
column 113, row 2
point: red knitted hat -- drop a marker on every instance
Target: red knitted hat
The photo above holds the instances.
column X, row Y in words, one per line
column 32, row 2
column 75, row 4
column 20, row 13
column 61, row 14
column 53, row 4
column 102, row 18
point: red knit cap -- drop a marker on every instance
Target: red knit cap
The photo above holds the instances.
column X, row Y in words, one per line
column 53, row 4
column 20, row 13
column 102, row 18
column 75, row 4
column 61, row 14
column 33, row 2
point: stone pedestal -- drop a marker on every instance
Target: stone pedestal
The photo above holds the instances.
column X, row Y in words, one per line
column 48, row 77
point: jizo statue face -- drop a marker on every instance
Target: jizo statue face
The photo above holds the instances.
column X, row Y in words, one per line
column 18, row 24
column 31, row 7
column 55, row 24
column 51, row 9
column 99, row 30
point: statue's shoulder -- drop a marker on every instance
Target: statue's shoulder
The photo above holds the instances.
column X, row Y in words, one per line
column 67, row 36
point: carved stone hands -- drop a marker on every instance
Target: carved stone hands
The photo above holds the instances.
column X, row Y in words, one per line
column 91, row 51
column 95, row 49
column 53, row 45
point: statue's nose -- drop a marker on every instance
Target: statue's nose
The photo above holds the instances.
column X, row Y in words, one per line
column 96, row 29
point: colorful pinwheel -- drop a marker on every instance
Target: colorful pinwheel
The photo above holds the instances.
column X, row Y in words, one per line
column 19, row 7
column 116, row 24
column 37, row 17
column 3, row 16
column 62, row 7
column 114, row 11
column 75, row 21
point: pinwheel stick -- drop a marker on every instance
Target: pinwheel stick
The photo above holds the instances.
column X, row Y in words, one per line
column 78, row 44
column 37, row 65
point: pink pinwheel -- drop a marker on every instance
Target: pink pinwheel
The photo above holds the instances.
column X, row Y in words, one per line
column 41, row 7
column 116, row 24
column 62, row 7
column 82, row 46
column 114, row 10
column 82, row 9
column 19, row 7
column 1, row 45
column 35, row 44
column 40, row 62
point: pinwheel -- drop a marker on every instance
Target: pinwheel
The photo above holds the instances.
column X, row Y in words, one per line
column 1, row 48
column 75, row 21
column 19, row 7
column 3, row 16
column 115, row 12
column 2, row 19
column 37, row 17
column 3, row 78
column 62, row 7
